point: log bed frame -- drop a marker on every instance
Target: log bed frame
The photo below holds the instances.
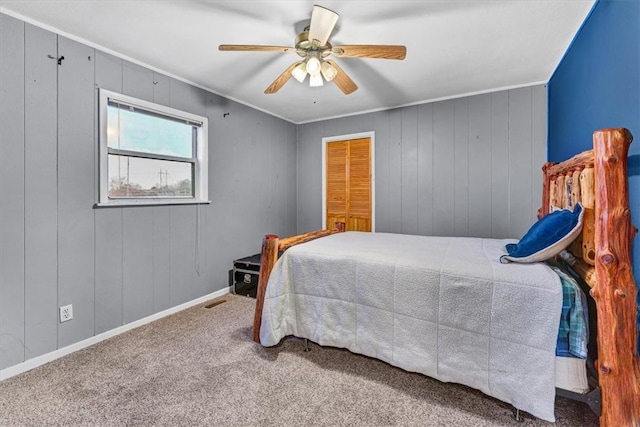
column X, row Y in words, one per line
column 597, row 179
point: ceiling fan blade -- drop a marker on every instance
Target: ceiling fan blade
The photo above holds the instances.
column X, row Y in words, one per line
column 255, row 48
column 343, row 81
column 322, row 22
column 281, row 80
column 371, row 51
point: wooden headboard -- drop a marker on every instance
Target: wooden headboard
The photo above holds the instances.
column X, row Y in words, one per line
column 563, row 186
column 602, row 256
column 598, row 180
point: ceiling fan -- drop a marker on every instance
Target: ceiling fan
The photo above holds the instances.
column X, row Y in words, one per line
column 313, row 46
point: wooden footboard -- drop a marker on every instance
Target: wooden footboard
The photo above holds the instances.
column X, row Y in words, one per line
column 272, row 246
column 598, row 180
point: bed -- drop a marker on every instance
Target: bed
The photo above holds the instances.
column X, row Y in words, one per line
column 448, row 308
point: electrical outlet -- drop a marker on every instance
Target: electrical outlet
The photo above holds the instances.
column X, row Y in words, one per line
column 66, row 313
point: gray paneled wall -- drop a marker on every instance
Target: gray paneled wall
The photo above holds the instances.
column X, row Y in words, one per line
column 40, row 192
column 116, row 265
column 464, row 167
column 467, row 167
column 12, row 192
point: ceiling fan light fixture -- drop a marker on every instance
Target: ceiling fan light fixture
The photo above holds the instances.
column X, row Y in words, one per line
column 313, row 66
column 300, row 72
column 313, row 47
column 315, row 80
column 328, row 71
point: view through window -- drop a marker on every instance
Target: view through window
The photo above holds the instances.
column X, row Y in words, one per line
column 150, row 153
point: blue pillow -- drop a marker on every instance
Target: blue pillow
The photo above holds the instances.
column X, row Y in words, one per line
column 547, row 237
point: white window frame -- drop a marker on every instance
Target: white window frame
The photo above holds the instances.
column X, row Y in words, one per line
column 201, row 192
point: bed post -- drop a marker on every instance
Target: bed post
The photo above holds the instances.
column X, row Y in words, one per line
column 615, row 292
column 268, row 258
column 546, row 182
column 272, row 246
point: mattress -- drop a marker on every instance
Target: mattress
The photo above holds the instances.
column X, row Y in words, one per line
column 571, row 374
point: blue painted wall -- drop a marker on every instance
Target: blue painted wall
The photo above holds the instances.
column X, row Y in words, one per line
column 597, row 85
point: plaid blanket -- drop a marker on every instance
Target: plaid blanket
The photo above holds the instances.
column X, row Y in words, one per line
column 573, row 333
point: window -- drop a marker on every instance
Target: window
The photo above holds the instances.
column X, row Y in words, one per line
column 149, row 153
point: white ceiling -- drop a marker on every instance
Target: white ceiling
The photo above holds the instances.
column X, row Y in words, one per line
column 454, row 48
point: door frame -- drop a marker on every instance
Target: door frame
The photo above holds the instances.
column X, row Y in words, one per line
column 372, row 160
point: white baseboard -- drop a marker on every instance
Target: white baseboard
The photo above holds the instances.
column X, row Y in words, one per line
column 56, row 354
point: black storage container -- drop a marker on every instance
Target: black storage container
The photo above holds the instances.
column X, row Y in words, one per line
column 245, row 275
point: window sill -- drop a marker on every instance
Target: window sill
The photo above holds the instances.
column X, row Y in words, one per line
column 149, row 202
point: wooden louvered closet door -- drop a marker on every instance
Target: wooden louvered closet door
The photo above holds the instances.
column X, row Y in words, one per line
column 348, row 184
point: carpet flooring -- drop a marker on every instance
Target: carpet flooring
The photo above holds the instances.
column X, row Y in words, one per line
column 199, row 367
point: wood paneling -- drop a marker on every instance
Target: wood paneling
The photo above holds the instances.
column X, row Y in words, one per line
column 117, row 265
column 309, row 177
column 461, row 161
column 76, row 189
column 161, row 274
column 381, row 167
column 425, row 170
column 108, row 273
column 394, row 177
column 283, row 184
column 539, row 133
column 443, row 166
column 137, row 81
column 40, row 174
column 500, row 171
column 12, row 186
column 409, row 159
column 469, row 166
column 520, row 147
column 182, row 249
column 137, row 263
column 479, row 158
column 161, row 89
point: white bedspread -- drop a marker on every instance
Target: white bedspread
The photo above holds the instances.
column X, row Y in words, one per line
column 442, row 306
